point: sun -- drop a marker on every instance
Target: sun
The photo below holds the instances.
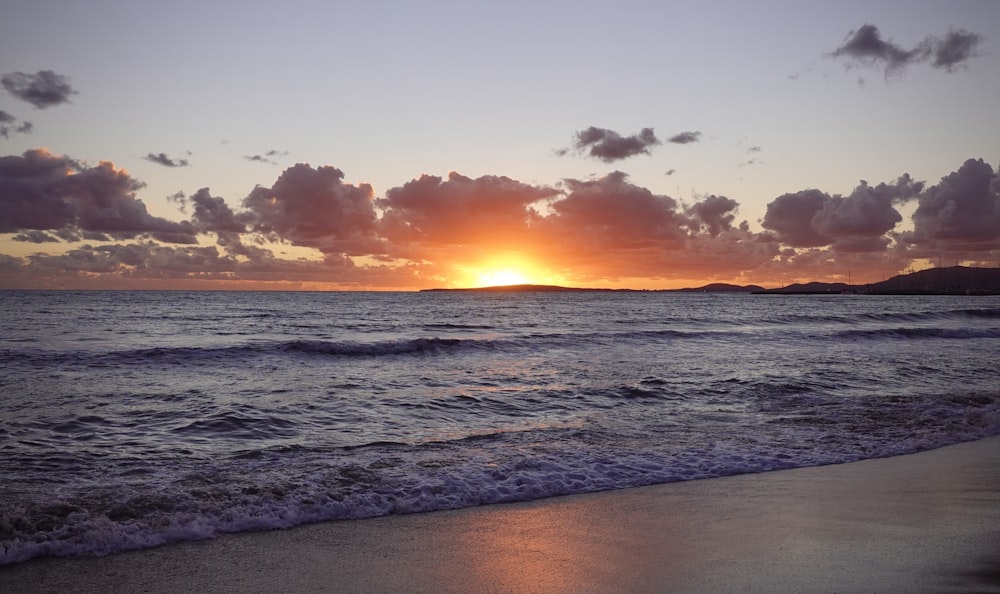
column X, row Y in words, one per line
column 501, row 270
column 502, row 277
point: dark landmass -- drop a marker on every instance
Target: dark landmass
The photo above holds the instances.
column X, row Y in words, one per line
column 721, row 288
column 955, row 280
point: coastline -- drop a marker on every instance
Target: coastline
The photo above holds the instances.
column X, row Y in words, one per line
column 926, row 522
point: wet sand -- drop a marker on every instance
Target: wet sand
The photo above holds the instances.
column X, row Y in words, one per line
column 927, row 522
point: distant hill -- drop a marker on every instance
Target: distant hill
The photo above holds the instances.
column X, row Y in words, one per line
column 721, row 288
column 813, row 288
column 952, row 280
column 955, row 280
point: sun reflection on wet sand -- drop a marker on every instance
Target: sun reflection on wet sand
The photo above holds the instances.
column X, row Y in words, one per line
column 562, row 546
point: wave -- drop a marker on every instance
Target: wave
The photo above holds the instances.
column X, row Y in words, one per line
column 195, row 355
column 453, row 326
column 177, row 499
column 417, row 346
column 892, row 317
column 383, row 480
column 903, row 333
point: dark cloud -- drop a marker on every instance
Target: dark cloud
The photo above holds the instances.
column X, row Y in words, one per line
column 609, row 146
column 858, row 222
column 137, row 265
column 42, row 191
column 713, row 215
column 866, row 46
column 266, row 157
column 11, row 125
column 954, row 50
column 143, row 260
column 35, row 236
column 961, row 212
column 790, row 217
column 861, row 221
column 313, row 207
column 212, row 215
column 42, row 89
column 685, row 137
column 163, row 159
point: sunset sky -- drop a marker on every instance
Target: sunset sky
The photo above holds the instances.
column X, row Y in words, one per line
column 407, row 145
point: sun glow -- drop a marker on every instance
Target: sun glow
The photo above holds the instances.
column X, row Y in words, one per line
column 504, row 270
column 498, row 278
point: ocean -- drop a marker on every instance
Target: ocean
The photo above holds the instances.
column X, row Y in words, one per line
column 134, row 419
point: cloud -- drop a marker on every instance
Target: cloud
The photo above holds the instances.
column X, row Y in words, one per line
column 163, row 159
column 714, row 214
column 954, row 50
column 43, row 191
column 212, row 215
column 611, row 212
column 609, row 228
column 858, row 222
column 42, row 89
column 866, row 46
column 685, row 137
column 9, row 125
column 790, row 217
column 609, row 146
column 313, row 207
column 35, row 236
column 266, row 157
column 587, row 231
column 961, row 212
column 461, row 210
column 147, row 264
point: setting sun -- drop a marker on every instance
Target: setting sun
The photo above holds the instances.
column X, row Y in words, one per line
column 504, row 269
column 496, row 278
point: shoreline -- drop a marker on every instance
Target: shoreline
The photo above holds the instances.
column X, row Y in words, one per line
column 925, row 522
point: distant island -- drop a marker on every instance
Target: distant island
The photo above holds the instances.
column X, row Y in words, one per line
column 954, row 280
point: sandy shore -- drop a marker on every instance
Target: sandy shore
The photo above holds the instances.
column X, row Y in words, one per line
column 927, row 522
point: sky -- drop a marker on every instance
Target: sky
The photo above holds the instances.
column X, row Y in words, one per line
column 407, row 145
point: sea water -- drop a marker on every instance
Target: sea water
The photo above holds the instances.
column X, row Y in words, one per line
column 132, row 419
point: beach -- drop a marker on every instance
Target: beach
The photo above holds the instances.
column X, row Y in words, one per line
column 926, row 522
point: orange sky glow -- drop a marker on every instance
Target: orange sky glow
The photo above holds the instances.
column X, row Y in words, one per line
column 471, row 144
